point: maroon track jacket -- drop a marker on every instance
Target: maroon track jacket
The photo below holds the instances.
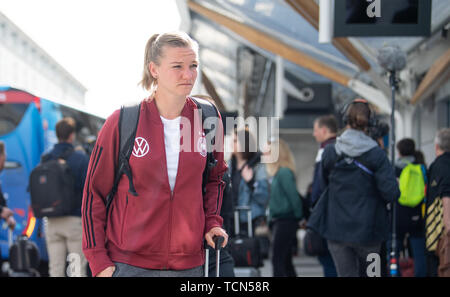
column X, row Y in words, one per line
column 157, row 229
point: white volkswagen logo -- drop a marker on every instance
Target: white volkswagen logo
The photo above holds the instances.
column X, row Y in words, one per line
column 141, row 147
column 201, row 146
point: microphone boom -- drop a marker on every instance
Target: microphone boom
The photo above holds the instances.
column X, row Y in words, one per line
column 392, row 58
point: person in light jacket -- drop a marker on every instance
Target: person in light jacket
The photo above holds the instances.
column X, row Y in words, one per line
column 248, row 178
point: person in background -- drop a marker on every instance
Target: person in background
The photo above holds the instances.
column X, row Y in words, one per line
column 325, row 131
column 285, row 209
column 361, row 182
column 438, row 209
column 5, row 213
column 63, row 234
column 249, row 179
column 409, row 220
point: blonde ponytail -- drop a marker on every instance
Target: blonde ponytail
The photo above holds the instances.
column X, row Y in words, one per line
column 148, row 80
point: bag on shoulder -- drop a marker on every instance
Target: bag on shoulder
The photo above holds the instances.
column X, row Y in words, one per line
column 412, row 185
column 51, row 186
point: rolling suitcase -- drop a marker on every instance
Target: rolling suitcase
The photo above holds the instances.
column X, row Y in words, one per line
column 23, row 257
column 245, row 250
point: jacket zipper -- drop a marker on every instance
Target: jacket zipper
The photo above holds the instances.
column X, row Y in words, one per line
column 170, row 201
column 170, row 230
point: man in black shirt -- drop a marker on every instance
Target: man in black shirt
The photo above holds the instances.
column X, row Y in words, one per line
column 5, row 212
column 438, row 208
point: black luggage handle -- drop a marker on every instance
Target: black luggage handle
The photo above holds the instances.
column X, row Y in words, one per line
column 237, row 209
column 218, row 241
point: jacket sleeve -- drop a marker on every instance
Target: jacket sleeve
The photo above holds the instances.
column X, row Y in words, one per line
column 98, row 184
column 212, row 201
column 260, row 192
column 329, row 158
column 385, row 178
column 318, row 184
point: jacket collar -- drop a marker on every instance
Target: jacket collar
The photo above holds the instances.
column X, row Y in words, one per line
column 154, row 113
column 445, row 155
column 328, row 141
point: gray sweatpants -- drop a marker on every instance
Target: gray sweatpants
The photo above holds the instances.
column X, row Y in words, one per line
column 349, row 258
column 125, row 270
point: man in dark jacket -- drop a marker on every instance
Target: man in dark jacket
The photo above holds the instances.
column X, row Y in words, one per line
column 64, row 234
column 438, row 209
column 325, row 130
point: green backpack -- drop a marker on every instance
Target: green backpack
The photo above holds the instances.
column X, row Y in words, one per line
column 412, row 185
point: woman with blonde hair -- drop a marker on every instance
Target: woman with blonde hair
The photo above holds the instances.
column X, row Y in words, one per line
column 285, row 208
column 156, row 228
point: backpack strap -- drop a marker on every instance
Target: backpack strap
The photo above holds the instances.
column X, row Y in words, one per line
column 63, row 155
column 46, row 157
column 424, row 172
column 128, row 122
column 363, row 167
column 208, row 110
column 343, row 158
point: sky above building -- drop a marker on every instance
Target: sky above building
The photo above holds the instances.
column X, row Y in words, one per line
column 100, row 42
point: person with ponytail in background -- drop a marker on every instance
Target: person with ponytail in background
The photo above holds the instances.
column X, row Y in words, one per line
column 410, row 219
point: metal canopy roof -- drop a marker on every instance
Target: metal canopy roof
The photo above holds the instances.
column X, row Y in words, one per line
column 222, row 62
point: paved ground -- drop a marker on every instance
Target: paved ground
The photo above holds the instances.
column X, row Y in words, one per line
column 305, row 266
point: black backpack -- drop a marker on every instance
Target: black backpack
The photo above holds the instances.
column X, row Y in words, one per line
column 128, row 122
column 51, row 186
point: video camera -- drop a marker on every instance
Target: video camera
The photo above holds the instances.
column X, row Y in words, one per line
column 378, row 131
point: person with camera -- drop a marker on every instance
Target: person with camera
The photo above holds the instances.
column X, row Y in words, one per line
column 352, row 214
